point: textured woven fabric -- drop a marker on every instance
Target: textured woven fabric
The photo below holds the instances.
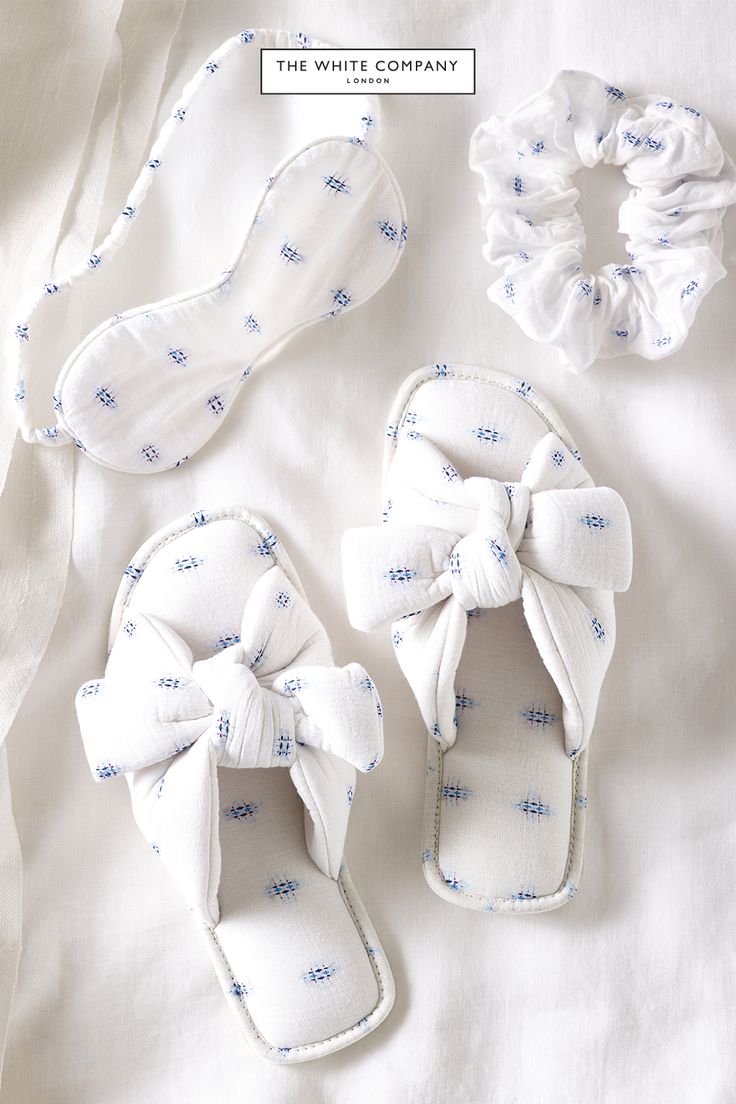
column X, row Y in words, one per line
column 682, row 182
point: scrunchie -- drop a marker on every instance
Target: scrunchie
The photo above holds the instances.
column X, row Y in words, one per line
column 682, row 182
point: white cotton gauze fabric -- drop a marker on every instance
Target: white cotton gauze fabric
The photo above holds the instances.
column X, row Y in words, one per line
column 496, row 564
column 146, row 388
column 221, row 705
column 682, row 183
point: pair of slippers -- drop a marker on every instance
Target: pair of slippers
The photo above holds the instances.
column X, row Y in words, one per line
column 495, row 566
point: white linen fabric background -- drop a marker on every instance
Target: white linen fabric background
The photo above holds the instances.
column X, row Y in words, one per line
column 624, row 995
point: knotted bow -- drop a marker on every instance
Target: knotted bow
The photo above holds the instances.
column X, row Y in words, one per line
column 174, row 721
column 545, row 539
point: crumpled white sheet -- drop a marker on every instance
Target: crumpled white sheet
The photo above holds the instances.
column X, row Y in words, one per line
column 624, row 995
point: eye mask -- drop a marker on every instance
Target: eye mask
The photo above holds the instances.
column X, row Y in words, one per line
column 149, row 386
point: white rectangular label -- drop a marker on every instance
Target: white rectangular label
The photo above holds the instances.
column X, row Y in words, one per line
column 398, row 72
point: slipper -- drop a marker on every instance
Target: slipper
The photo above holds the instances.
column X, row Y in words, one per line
column 219, row 671
column 244, row 268
column 496, row 566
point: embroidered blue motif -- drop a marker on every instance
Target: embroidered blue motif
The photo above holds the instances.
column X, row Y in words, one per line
column 50, row 289
column 595, row 521
column 129, row 628
column 268, row 545
column 526, row 894
column 199, row 518
column 282, row 599
column 581, row 801
column 178, row 356
column 216, row 404
column 335, row 184
column 453, row 882
column 284, row 890
column 247, row 36
column 388, row 231
column 128, row 212
column 350, row 795
column 153, row 164
column 453, row 792
column 620, row 333
column 341, row 297
column 226, row 641
column 290, row 253
column 662, row 342
column 400, row 574
column 188, row 563
column 21, row 332
column 251, row 324
column 106, row 398
column 282, row 748
column 95, row 261
column 320, row 973
column 690, row 289
column 294, row 685
column 396, row 638
column 20, row 391
column 538, row 717
column 241, row 810
column 499, row 552
column 211, row 67
column 150, row 453
column 598, row 631
column 90, row 689
column 107, row 770
column 180, row 114
column 169, row 682
column 237, row 989
column 518, row 185
column 486, row 433
column 613, row 93
column 462, row 701
column 449, row 472
column 533, row 807
column 509, row 290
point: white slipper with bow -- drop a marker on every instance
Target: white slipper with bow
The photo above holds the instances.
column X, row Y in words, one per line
column 496, row 566
column 218, row 672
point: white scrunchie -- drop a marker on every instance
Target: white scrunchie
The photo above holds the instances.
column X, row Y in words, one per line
column 682, row 182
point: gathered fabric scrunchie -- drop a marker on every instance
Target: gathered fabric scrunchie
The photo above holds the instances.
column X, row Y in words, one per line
column 682, row 182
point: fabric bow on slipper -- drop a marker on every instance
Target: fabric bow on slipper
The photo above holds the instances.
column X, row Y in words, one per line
column 483, row 543
column 251, row 705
